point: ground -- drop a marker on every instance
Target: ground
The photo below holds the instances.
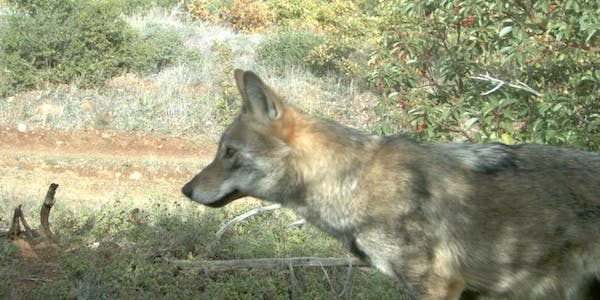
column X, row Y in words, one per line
column 92, row 167
column 92, row 161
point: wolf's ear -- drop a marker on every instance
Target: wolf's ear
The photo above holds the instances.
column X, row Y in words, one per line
column 259, row 99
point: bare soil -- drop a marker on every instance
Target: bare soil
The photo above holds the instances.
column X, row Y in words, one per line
column 86, row 164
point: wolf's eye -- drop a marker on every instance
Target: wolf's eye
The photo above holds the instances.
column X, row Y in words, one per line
column 230, row 152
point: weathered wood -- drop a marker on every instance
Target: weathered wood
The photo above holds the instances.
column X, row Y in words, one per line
column 267, row 263
column 256, row 211
column 45, row 212
column 15, row 227
column 28, row 231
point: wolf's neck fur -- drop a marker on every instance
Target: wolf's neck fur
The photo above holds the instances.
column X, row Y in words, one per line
column 328, row 160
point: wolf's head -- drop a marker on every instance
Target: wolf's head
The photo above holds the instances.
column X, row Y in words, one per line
column 252, row 151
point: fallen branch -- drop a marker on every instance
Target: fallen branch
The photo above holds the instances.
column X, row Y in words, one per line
column 297, row 224
column 266, row 263
column 45, row 212
column 15, row 228
column 28, row 231
column 256, row 211
column 345, row 293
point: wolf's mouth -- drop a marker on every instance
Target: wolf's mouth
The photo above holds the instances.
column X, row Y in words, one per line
column 233, row 195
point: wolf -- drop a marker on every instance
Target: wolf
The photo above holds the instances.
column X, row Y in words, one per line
column 451, row 221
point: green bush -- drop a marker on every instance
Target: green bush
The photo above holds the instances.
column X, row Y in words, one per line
column 288, row 49
column 64, row 41
column 248, row 15
column 430, row 51
column 345, row 32
column 135, row 6
column 294, row 13
column 86, row 42
column 161, row 47
column 339, row 56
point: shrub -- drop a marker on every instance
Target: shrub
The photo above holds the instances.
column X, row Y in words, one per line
column 288, row 49
column 430, row 51
column 294, row 13
column 63, row 41
column 208, row 10
column 242, row 15
column 135, row 6
column 249, row 15
column 86, row 42
column 345, row 32
column 160, row 47
column 338, row 56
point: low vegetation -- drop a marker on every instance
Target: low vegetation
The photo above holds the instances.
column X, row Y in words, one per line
column 478, row 71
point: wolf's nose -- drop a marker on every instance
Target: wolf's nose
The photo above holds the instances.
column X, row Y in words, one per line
column 187, row 190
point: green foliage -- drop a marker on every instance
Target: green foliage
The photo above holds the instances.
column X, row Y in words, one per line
column 160, row 47
column 345, row 33
column 294, row 13
column 248, row 15
column 64, row 41
column 79, row 41
column 339, row 17
column 209, row 10
column 288, row 49
column 135, row 6
column 242, row 15
column 339, row 56
column 430, row 50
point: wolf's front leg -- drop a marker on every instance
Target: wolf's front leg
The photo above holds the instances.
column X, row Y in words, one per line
column 439, row 288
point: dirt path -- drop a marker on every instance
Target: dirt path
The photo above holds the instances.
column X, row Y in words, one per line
column 92, row 166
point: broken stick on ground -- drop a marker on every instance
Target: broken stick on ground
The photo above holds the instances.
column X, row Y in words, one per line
column 266, row 263
column 45, row 212
column 256, row 211
column 19, row 218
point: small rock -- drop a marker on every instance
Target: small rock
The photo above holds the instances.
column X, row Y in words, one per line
column 22, row 127
column 135, row 176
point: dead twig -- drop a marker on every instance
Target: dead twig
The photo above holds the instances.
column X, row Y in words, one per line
column 266, row 263
column 45, row 212
column 28, row 231
column 345, row 293
column 499, row 83
column 294, row 283
column 254, row 212
column 15, row 228
column 297, row 224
